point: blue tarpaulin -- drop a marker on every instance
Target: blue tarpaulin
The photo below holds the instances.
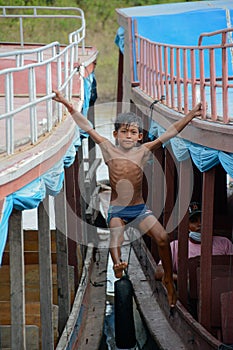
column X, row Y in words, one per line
column 204, row 158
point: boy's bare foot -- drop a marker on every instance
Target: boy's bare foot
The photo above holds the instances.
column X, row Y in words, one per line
column 171, row 292
column 119, row 268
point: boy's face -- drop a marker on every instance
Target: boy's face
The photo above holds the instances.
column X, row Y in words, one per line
column 127, row 136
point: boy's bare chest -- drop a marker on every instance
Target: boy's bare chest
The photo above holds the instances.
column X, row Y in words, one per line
column 129, row 159
column 125, row 168
column 122, row 165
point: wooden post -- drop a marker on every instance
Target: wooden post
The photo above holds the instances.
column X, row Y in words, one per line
column 62, row 260
column 157, row 189
column 206, row 248
column 168, row 220
column 120, row 82
column 71, row 221
column 82, row 200
column 16, row 242
column 46, row 305
column 185, row 192
column 81, row 249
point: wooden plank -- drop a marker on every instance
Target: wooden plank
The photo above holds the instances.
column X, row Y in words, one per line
column 71, row 220
column 32, row 313
column 32, row 337
column 157, row 190
column 32, row 316
column 45, row 276
column 18, row 336
column 185, row 192
column 32, row 291
column 69, row 335
column 182, row 322
column 95, row 303
column 29, row 258
column 155, row 319
column 83, row 234
column 62, row 260
column 80, row 250
column 170, row 175
column 206, row 248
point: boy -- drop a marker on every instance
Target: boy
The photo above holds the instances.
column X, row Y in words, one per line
column 125, row 162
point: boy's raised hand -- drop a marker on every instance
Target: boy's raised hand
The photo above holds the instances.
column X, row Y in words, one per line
column 197, row 110
column 58, row 97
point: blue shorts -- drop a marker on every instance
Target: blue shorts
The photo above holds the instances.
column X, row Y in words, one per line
column 128, row 214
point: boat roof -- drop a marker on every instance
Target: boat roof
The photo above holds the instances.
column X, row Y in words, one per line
column 181, row 23
column 173, row 8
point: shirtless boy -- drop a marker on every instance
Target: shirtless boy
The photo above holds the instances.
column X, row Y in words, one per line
column 125, row 162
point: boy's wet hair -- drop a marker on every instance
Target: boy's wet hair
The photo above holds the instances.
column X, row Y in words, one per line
column 127, row 119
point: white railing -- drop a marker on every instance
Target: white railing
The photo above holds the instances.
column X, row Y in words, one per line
column 38, row 54
column 56, row 65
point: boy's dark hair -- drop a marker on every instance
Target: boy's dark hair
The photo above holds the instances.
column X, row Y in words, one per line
column 128, row 119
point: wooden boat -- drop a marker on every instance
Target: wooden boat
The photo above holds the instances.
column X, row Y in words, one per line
column 42, row 157
column 170, row 57
column 49, row 277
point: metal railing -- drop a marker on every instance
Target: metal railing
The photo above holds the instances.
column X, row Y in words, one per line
column 39, row 54
column 188, row 74
column 56, row 65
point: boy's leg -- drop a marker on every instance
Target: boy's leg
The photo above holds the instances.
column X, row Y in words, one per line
column 151, row 226
column 116, row 239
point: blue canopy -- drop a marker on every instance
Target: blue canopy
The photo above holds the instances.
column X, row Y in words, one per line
column 203, row 157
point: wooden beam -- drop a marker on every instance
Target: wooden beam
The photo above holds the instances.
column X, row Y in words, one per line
column 16, row 242
column 206, row 248
column 46, row 305
column 168, row 220
column 62, row 260
column 157, row 190
column 184, row 194
column 80, row 251
column 71, row 220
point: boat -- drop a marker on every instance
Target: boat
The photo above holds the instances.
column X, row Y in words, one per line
column 51, row 296
column 172, row 56
column 53, row 277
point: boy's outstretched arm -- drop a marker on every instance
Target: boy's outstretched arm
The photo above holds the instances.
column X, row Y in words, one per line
column 78, row 117
column 175, row 128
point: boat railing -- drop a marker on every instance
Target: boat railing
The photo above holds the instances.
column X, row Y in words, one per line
column 34, row 68
column 38, row 54
column 186, row 75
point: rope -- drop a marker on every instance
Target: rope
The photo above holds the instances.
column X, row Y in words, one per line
column 154, row 103
column 130, row 248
